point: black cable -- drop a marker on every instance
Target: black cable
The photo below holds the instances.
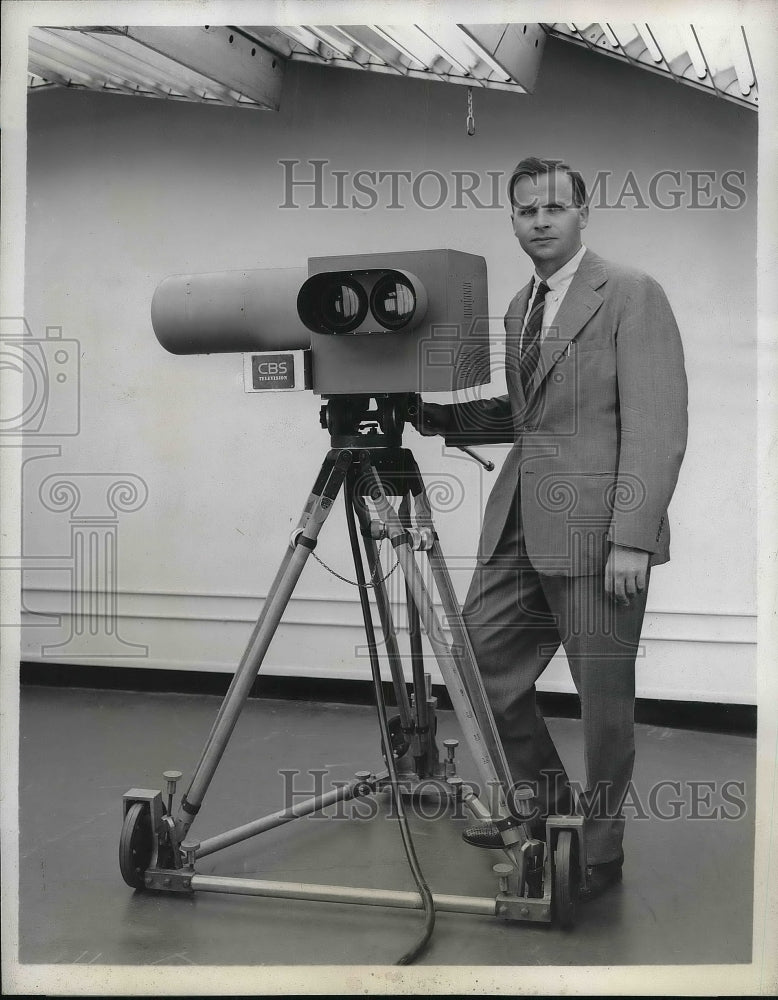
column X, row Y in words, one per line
column 410, row 852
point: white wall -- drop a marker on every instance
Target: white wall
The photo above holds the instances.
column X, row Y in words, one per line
column 123, row 191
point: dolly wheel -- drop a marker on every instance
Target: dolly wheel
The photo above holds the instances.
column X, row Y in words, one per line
column 136, row 845
column 397, row 738
column 567, row 878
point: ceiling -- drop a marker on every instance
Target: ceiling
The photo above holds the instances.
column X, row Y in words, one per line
column 243, row 66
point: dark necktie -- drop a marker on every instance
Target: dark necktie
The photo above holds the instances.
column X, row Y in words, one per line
column 530, row 340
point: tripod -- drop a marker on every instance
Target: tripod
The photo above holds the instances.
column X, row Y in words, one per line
column 368, row 464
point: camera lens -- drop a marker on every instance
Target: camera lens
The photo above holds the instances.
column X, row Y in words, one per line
column 342, row 305
column 393, row 301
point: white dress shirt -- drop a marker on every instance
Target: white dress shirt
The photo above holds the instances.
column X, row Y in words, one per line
column 558, row 283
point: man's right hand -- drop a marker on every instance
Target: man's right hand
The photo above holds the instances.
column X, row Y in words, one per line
column 428, row 418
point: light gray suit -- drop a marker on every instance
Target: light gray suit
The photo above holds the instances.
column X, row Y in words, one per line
column 597, row 446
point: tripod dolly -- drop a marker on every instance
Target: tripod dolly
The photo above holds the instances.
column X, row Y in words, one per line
column 539, row 881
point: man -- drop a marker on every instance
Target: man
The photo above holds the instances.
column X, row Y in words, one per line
column 596, row 411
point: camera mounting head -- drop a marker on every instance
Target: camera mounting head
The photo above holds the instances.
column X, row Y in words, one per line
column 352, row 424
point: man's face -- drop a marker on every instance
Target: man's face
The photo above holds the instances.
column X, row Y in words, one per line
column 546, row 221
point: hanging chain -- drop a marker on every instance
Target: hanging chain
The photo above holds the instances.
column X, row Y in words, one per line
column 355, row 583
column 470, row 118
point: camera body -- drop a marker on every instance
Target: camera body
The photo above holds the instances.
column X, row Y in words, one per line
column 380, row 323
column 425, row 326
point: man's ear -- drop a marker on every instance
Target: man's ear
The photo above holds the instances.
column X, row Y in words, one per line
column 583, row 216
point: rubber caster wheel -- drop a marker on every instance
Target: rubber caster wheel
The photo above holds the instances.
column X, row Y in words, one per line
column 136, row 845
column 567, row 879
column 397, row 738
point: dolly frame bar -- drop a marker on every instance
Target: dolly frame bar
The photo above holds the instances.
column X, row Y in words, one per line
column 185, row 880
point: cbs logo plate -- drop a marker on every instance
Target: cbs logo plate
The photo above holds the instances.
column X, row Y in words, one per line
column 274, row 372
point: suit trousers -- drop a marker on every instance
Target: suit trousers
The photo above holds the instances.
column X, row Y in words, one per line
column 517, row 618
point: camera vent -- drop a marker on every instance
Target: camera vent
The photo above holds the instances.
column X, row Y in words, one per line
column 467, row 300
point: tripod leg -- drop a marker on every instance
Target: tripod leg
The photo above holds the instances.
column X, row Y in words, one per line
column 410, row 851
column 489, row 759
column 319, row 505
column 385, row 616
column 469, row 672
column 471, row 677
column 417, row 656
column 367, row 618
column 310, row 503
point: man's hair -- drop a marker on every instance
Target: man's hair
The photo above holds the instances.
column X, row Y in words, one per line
column 532, row 166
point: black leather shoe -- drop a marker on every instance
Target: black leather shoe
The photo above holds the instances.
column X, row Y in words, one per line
column 487, row 835
column 600, row 877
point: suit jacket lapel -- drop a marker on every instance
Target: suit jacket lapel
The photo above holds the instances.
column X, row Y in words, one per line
column 578, row 306
column 514, row 320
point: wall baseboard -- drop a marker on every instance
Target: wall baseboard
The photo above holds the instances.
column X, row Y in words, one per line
column 683, row 655
column 703, row 716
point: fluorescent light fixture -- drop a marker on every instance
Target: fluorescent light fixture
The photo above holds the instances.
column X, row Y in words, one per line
column 484, row 55
column 347, row 51
column 96, row 61
column 450, row 40
column 668, row 39
column 387, row 37
column 308, row 41
column 416, row 42
column 383, row 59
column 695, row 52
column 147, row 62
column 650, row 42
column 609, row 34
column 745, row 75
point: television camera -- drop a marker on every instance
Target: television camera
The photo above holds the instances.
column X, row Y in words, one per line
column 383, row 327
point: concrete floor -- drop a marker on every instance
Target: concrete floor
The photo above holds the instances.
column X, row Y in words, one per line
column 686, row 895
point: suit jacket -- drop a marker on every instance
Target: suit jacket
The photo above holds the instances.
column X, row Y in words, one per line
column 599, row 438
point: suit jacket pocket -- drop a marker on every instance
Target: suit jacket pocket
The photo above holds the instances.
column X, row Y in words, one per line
column 566, row 517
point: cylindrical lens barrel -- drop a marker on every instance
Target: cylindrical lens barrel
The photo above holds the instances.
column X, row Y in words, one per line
column 227, row 311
